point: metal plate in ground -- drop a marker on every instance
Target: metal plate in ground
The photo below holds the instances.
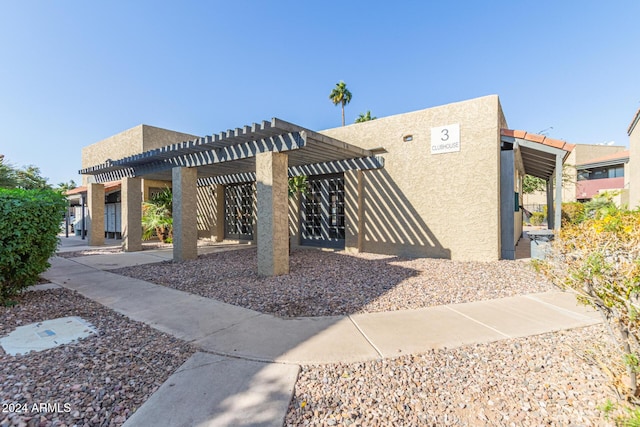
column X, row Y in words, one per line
column 48, row 334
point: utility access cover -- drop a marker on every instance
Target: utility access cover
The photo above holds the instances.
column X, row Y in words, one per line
column 44, row 335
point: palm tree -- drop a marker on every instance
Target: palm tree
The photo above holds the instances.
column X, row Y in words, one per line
column 340, row 95
column 365, row 117
column 63, row 187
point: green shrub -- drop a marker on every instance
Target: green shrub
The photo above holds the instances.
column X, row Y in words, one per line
column 29, row 227
column 600, row 206
column 536, row 218
column 157, row 217
column 572, row 212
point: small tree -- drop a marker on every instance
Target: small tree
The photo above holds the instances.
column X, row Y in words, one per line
column 531, row 184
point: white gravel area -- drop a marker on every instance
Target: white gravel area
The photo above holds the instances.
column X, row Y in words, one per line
column 98, row 381
column 325, row 283
column 531, row 381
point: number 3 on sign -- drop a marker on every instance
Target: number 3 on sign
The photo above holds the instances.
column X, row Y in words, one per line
column 445, row 139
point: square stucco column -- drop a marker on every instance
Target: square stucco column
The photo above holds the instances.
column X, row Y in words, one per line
column 273, row 221
column 218, row 227
column 185, row 202
column 353, row 211
column 95, row 201
column 131, row 197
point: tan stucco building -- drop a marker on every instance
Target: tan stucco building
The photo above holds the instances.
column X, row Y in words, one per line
column 442, row 182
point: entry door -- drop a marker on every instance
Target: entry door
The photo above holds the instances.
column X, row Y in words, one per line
column 323, row 212
column 239, row 208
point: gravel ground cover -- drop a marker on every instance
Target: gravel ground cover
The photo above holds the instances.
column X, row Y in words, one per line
column 98, row 381
column 325, row 283
column 531, row 381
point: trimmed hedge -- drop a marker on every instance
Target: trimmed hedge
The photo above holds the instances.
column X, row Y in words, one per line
column 29, row 227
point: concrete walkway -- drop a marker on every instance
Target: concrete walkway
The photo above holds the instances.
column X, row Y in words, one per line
column 257, row 355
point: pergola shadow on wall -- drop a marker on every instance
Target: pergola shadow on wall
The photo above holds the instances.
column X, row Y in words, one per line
column 267, row 153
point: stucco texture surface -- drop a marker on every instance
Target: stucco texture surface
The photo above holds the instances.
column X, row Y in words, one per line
column 436, row 205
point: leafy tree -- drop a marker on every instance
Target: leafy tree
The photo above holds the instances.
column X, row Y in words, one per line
column 7, row 175
column 29, row 178
column 365, row 117
column 531, row 184
column 340, row 95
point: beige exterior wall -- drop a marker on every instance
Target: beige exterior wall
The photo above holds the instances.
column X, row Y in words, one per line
column 153, row 137
column 131, row 141
column 582, row 153
column 440, row 205
column 634, row 165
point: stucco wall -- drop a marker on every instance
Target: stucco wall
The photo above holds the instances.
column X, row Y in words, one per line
column 115, row 147
column 154, row 137
column 131, row 141
column 440, row 205
column 634, row 165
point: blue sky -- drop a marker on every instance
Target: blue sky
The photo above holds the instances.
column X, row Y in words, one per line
column 75, row 72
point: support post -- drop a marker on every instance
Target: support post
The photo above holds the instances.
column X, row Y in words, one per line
column 272, row 213
column 219, row 212
column 95, row 198
column 558, row 207
column 131, row 198
column 550, row 215
column 185, row 202
column 353, row 210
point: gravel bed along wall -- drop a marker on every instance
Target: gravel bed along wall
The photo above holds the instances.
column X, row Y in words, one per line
column 98, row 381
column 325, row 283
column 531, row 381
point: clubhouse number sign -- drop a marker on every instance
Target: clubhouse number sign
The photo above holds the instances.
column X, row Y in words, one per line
column 445, row 139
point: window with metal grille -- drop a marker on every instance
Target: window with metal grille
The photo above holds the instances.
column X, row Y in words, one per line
column 323, row 211
column 239, row 209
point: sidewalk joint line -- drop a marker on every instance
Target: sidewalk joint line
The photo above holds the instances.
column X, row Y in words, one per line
column 478, row 322
column 366, row 337
column 573, row 314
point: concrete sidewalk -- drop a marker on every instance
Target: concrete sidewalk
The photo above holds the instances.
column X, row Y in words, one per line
column 243, row 340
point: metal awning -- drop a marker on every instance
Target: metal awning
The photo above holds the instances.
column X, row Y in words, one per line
column 233, row 153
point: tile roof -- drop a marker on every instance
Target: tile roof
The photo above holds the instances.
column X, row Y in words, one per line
column 108, row 186
column 541, row 139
